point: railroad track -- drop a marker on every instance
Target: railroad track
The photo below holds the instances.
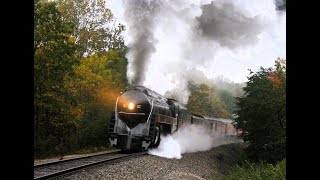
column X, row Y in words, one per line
column 61, row 168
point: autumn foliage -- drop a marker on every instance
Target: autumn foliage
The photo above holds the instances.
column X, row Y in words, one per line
column 262, row 113
column 79, row 70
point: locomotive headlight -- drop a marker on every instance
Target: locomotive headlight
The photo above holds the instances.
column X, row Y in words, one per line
column 131, row 106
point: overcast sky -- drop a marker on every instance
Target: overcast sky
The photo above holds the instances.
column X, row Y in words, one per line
column 246, row 34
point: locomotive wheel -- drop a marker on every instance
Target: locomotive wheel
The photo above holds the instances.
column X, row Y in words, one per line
column 158, row 139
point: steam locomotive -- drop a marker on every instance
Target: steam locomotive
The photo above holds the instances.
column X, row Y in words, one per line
column 142, row 115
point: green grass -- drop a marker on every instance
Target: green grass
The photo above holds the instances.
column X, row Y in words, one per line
column 54, row 154
column 258, row 171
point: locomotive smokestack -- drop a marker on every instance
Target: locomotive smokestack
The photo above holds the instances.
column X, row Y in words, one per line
column 140, row 16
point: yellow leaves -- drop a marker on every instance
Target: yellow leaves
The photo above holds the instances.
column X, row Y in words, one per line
column 108, row 95
column 91, row 79
column 77, row 111
column 72, row 39
column 49, row 94
column 113, row 53
column 95, row 63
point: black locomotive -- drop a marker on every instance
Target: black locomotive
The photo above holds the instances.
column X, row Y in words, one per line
column 141, row 115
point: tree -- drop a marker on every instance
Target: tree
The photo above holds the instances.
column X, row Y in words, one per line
column 55, row 114
column 97, row 82
column 94, row 29
column 203, row 100
column 74, row 95
column 227, row 91
column 262, row 113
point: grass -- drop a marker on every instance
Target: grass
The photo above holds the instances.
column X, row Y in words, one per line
column 77, row 152
column 258, row 171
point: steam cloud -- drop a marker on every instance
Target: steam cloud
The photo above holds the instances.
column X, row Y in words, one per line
column 181, row 93
column 188, row 139
column 222, row 22
column 169, row 39
column 219, row 21
column 140, row 16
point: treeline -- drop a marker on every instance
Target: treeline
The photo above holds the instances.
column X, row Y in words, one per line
column 258, row 108
column 213, row 100
column 261, row 116
column 79, row 70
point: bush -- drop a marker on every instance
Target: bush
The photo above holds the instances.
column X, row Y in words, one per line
column 258, row 171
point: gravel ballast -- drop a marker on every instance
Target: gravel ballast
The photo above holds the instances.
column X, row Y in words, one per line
column 211, row 164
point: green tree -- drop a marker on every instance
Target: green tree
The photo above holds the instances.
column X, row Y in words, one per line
column 262, row 113
column 74, row 95
column 227, row 91
column 94, row 30
column 203, row 100
column 55, row 114
column 97, row 83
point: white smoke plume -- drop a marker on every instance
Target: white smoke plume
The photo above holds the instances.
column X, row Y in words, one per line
column 170, row 38
column 189, row 139
column 181, row 78
column 181, row 92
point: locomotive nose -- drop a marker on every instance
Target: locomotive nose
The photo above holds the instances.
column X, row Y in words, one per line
column 133, row 108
